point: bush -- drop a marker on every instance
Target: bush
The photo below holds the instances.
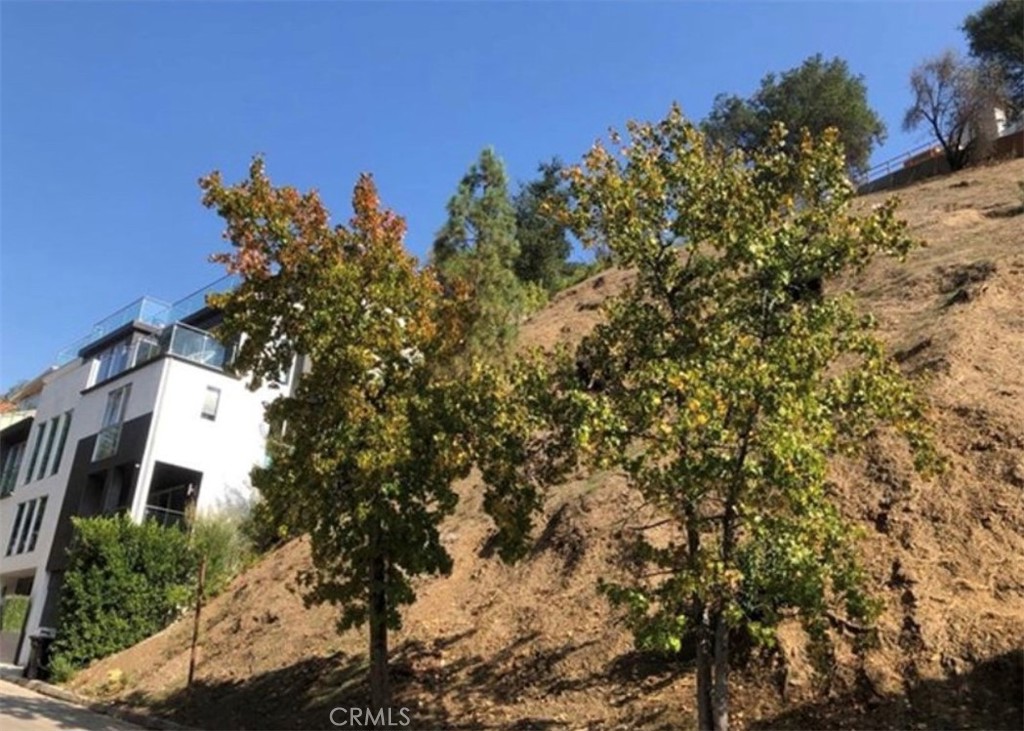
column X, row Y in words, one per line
column 13, row 610
column 227, row 550
column 61, row 669
column 124, row 582
column 263, row 529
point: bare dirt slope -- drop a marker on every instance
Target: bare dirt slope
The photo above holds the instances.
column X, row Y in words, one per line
column 535, row 646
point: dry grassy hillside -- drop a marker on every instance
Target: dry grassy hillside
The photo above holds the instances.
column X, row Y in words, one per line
column 534, row 646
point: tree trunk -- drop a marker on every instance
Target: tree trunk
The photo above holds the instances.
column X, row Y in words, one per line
column 705, row 717
column 720, row 695
column 703, row 629
column 380, row 686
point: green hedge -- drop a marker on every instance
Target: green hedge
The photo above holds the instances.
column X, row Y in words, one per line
column 124, row 582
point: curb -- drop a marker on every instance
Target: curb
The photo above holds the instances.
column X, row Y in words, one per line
column 61, row 694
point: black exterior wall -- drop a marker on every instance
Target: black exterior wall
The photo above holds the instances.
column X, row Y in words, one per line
column 86, row 475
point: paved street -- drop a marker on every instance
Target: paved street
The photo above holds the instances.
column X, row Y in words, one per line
column 24, row 710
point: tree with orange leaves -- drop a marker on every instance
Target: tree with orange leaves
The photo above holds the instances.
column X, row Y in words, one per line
column 367, row 445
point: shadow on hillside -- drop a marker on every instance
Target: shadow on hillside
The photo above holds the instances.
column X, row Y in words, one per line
column 990, row 696
column 450, row 694
column 301, row 696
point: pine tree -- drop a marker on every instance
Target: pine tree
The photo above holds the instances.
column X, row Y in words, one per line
column 477, row 249
column 543, row 241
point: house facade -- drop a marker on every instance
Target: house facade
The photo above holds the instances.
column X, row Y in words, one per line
column 140, row 416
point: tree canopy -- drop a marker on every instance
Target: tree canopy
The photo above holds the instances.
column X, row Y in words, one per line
column 955, row 100
column 728, row 376
column 816, row 95
column 369, row 441
column 996, row 37
column 543, row 238
column 477, row 250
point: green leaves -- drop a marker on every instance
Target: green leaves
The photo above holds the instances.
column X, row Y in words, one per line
column 476, row 252
column 817, row 95
column 123, row 583
column 729, row 372
column 369, row 440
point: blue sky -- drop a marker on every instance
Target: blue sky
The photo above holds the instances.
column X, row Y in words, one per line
column 110, row 112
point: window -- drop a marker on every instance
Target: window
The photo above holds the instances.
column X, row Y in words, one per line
column 30, row 508
column 61, row 441
column 49, row 447
column 117, row 402
column 11, row 465
column 27, row 522
column 146, row 349
column 35, row 452
column 112, row 361
column 17, row 525
column 210, row 403
column 34, row 536
column 109, row 436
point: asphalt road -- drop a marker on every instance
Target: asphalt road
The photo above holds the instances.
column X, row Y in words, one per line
column 24, row 710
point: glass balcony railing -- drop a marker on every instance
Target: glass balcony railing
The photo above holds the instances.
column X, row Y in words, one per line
column 196, row 301
column 195, row 345
column 107, row 442
column 146, row 310
column 149, row 311
column 179, row 340
column 165, row 517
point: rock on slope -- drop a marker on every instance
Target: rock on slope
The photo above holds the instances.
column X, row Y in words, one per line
column 534, row 645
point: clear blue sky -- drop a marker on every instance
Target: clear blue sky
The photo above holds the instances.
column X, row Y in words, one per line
column 111, row 111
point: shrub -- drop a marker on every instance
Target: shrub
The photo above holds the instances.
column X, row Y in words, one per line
column 123, row 583
column 227, row 550
column 61, row 669
column 263, row 529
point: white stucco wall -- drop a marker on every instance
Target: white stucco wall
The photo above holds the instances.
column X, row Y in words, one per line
column 224, row 450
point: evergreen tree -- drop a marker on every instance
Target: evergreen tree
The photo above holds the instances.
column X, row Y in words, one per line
column 996, row 37
column 476, row 250
column 543, row 242
column 815, row 96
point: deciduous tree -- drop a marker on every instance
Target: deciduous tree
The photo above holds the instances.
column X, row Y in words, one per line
column 369, row 441
column 955, row 99
column 729, row 377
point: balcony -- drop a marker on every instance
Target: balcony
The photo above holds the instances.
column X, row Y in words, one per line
column 196, row 301
column 107, row 442
column 195, row 345
column 145, row 310
column 165, row 517
column 182, row 341
column 148, row 311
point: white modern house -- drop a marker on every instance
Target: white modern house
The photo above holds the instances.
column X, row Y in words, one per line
column 139, row 416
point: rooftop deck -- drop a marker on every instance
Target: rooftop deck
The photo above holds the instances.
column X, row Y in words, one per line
column 148, row 311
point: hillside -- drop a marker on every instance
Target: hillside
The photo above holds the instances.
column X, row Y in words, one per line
column 534, row 646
